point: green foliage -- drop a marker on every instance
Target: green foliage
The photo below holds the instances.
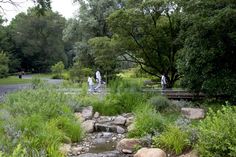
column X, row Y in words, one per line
column 217, row 135
column 147, row 37
column 207, row 60
column 125, row 85
column 114, row 104
column 38, row 40
column 18, row 152
column 173, row 139
column 4, row 61
column 147, row 121
column 92, row 23
column 40, row 120
column 161, row 103
column 72, row 129
column 78, row 73
column 57, row 69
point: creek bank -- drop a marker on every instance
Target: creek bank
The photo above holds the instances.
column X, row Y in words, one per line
column 106, row 137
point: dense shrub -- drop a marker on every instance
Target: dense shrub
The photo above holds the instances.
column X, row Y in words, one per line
column 217, row 136
column 147, row 121
column 173, row 139
column 161, row 103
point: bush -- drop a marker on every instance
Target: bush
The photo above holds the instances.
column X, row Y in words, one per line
column 78, row 73
column 160, row 103
column 172, row 139
column 57, row 70
column 217, row 136
column 147, row 121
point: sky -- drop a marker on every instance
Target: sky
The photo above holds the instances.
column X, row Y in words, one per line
column 64, row 7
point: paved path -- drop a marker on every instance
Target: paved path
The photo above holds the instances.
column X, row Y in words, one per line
column 4, row 89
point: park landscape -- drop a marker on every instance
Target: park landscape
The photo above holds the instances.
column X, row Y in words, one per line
column 47, row 110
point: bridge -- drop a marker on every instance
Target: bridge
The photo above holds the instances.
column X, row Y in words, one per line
column 176, row 93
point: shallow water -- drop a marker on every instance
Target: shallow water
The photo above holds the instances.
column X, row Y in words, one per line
column 103, row 147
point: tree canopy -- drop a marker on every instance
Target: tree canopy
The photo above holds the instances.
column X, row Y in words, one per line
column 207, row 60
column 38, row 40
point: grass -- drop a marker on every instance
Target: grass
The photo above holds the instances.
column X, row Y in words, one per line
column 13, row 80
column 39, row 120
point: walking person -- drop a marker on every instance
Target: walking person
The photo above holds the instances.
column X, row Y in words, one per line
column 163, row 83
column 98, row 80
column 90, row 84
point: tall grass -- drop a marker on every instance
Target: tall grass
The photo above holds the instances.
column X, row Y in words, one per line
column 147, row 121
column 39, row 121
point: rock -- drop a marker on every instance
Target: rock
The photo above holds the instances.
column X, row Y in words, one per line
column 127, row 151
column 107, row 134
column 79, row 116
column 193, row 113
column 76, row 150
column 128, row 144
column 88, row 126
column 119, row 120
column 87, row 112
column 129, row 121
column 65, row 148
column 120, row 130
column 104, row 119
column 150, row 152
column 96, row 115
column 88, row 155
column 190, row 154
column 105, row 128
column 105, row 154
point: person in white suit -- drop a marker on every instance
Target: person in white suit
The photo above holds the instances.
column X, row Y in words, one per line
column 98, row 80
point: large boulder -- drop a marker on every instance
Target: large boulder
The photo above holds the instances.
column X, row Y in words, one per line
column 87, row 112
column 128, row 145
column 150, row 152
column 193, row 113
column 119, row 120
column 88, row 126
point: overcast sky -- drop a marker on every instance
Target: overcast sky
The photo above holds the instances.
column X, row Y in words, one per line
column 64, row 7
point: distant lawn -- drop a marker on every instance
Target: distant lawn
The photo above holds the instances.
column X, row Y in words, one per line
column 46, row 75
column 13, row 80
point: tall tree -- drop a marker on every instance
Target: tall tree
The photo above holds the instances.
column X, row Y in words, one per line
column 38, row 39
column 90, row 23
column 148, row 34
column 41, row 5
column 208, row 58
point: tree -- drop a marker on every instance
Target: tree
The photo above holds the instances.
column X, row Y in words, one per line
column 38, row 40
column 3, row 65
column 148, row 34
column 207, row 61
column 90, row 23
column 41, row 5
column 7, row 46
